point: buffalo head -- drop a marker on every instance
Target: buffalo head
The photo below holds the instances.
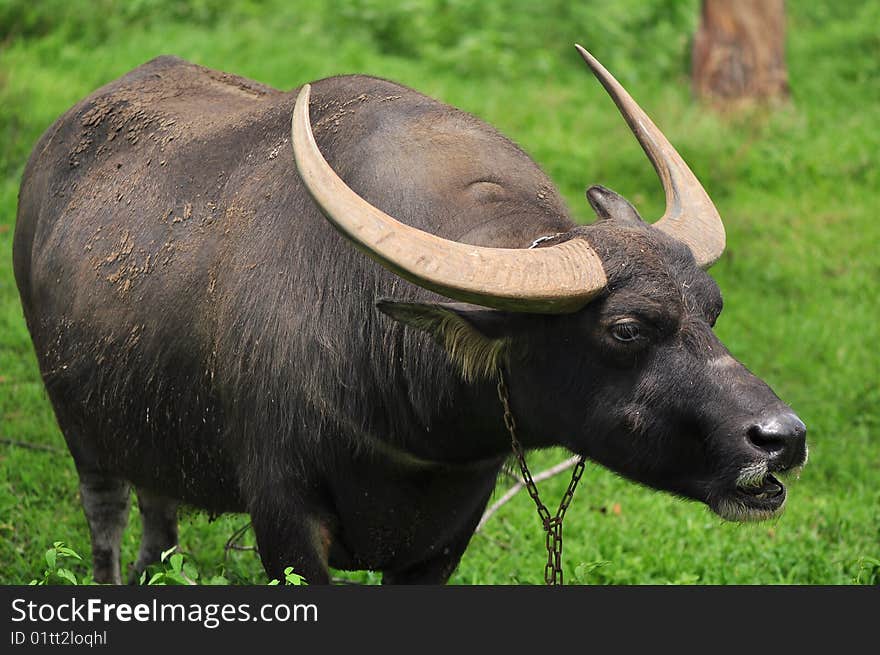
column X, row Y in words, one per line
column 605, row 331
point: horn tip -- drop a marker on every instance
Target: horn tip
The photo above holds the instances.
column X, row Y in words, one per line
column 585, row 53
column 301, row 109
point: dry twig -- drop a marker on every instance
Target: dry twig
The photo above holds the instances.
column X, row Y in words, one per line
column 231, row 543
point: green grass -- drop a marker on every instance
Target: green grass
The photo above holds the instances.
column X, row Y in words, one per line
column 798, row 189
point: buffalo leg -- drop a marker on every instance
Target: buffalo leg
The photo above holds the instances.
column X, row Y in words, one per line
column 105, row 501
column 289, row 537
column 159, row 518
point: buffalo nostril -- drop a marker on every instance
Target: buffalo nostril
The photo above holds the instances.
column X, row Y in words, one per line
column 768, row 440
column 781, row 437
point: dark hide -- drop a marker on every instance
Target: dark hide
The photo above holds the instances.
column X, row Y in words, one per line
column 206, row 337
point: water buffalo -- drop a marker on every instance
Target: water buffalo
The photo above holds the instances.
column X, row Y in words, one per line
column 206, row 337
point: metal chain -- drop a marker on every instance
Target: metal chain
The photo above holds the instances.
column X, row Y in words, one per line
column 552, row 524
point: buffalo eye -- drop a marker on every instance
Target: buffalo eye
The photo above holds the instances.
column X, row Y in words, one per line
column 625, row 331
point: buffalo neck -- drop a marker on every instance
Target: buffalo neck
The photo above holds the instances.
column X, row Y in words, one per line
column 468, row 428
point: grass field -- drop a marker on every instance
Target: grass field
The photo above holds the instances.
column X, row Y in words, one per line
column 797, row 187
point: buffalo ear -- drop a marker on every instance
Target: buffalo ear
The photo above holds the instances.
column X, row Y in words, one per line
column 610, row 204
column 475, row 338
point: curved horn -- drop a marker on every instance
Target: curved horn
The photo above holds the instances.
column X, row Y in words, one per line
column 690, row 215
column 556, row 279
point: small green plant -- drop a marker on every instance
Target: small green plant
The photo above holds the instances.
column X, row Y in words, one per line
column 56, row 572
column 869, row 571
column 685, row 578
column 290, row 578
column 584, row 571
column 172, row 569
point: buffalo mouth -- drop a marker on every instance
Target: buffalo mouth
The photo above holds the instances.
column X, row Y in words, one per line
column 767, row 491
column 757, row 495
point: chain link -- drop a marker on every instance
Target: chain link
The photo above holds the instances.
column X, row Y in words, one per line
column 552, row 524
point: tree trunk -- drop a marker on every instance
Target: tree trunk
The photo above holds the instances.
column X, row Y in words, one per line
column 739, row 52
